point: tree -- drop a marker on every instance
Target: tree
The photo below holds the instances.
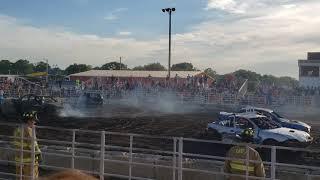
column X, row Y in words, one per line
column 41, row 67
column 22, row 67
column 150, row 67
column 56, row 71
column 287, row 81
column 77, row 68
column 210, row 72
column 154, row 67
column 244, row 74
column 5, row 67
column 113, row 66
column 183, row 67
column 138, row 68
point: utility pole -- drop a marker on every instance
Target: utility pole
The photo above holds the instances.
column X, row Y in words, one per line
column 120, row 62
column 169, row 10
column 47, row 79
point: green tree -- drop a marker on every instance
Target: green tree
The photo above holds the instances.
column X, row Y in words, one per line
column 5, row 67
column 22, row 67
column 183, row 67
column 41, row 67
column 245, row 74
column 287, row 81
column 138, row 68
column 77, row 68
column 55, row 71
column 154, row 67
column 113, row 66
column 150, row 67
column 210, row 72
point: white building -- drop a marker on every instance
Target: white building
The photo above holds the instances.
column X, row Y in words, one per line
column 309, row 70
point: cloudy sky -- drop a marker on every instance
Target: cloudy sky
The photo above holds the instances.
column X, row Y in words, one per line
column 267, row 36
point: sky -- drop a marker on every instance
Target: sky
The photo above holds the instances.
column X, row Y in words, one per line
column 266, row 36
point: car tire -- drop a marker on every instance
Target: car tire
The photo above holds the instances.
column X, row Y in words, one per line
column 270, row 142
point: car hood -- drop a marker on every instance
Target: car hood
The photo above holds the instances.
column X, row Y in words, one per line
column 291, row 134
column 295, row 122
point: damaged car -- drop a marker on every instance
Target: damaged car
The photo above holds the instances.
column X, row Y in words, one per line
column 266, row 132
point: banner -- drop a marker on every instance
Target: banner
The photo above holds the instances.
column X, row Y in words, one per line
column 36, row 74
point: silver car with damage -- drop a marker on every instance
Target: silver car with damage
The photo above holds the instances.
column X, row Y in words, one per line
column 266, row 131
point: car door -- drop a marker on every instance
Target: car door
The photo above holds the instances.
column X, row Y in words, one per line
column 226, row 126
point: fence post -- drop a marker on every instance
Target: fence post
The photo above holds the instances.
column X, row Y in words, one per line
column 73, row 148
column 180, row 171
column 174, row 158
column 130, row 158
column 21, row 151
column 33, row 138
column 247, row 161
column 102, row 150
column 273, row 162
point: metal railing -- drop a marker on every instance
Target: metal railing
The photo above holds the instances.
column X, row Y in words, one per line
column 177, row 155
column 203, row 97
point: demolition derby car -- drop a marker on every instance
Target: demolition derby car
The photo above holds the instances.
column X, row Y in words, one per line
column 13, row 108
column 92, row 98
column 266, row 132
column 272, row 115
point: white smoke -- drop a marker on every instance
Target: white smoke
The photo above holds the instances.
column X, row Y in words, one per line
column 69, row 111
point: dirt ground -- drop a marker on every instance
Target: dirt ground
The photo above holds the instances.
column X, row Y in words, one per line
column 190, row 122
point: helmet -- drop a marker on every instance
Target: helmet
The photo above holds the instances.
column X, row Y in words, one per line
column 31, row 115
column 247, row 135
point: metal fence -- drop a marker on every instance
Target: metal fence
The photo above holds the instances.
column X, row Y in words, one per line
column 202, row 97
column 172, row 155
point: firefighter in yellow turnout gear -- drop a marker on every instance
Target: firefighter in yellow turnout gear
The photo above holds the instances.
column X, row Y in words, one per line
column 24, row 159
column 239, row 166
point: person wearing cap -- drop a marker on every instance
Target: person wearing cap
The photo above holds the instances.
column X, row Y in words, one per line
column 236, row 164
column 24, row 158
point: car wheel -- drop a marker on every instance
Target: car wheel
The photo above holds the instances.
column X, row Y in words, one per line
column 270, row 142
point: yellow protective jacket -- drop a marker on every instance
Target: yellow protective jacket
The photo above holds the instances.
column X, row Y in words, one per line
column 239, row 166
column 25, row 144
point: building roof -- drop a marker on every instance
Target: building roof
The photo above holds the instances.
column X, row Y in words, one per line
column 129, row 73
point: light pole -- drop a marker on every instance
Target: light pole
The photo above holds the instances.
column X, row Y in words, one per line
column 169, row 10
column 47, row 69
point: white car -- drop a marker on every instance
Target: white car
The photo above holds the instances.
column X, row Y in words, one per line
column 266, row 131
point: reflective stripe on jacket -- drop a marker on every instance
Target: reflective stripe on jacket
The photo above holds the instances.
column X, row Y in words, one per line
column 25, row 143
column 238, row 164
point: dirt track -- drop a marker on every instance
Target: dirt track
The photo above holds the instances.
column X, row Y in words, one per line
column 126, row 119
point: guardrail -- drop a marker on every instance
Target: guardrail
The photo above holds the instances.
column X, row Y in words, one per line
column 149, row 148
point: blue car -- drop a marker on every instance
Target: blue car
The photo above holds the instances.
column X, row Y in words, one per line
column 292, row 124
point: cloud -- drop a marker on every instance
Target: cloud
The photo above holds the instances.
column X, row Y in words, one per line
column 114, row 14
column 247, row 6
column 225, row 5
column 64, row 47
column 273, row 36
column 269, row 40
column 124, row 33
